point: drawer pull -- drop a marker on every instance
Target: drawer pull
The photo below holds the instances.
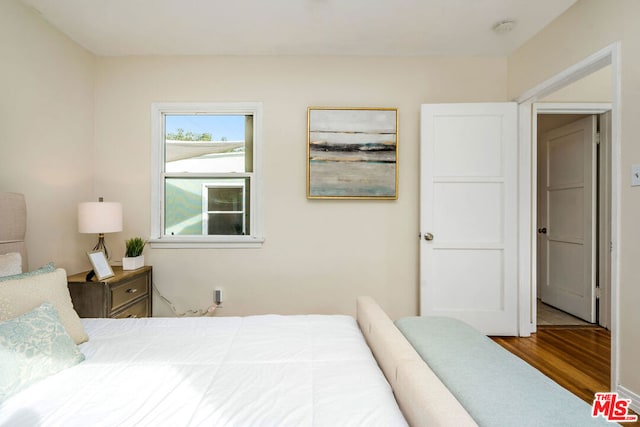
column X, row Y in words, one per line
column 132, row 316
column 132, row 290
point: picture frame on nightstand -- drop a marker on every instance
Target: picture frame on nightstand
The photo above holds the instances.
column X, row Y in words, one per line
column 101, row 267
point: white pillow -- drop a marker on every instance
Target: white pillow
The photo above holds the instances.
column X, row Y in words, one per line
column 22, row 295
column 10, row 264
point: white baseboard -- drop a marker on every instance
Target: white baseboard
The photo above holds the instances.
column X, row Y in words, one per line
column 625, row 393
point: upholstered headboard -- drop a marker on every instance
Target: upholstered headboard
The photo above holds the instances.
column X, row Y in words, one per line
column 13, row 225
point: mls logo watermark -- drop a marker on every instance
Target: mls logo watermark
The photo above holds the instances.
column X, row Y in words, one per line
column 612, row 408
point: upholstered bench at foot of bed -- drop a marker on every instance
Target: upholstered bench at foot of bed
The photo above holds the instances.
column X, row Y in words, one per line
column 422, row 397
column 494, row 386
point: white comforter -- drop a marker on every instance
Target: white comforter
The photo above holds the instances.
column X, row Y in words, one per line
column 234, row 371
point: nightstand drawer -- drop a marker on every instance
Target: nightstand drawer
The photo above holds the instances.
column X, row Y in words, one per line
column 139, row 309
column 127, row 292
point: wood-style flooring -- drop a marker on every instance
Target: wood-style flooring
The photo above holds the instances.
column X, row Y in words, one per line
column 576, row 357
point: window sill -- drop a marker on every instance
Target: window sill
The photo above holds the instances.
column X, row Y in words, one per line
column 195, row 243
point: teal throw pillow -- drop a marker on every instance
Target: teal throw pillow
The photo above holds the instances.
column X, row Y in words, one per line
column 34, row 346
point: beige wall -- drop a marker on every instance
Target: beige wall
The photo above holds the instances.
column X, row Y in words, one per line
column 585, row 28
column 319, row 255
column 46, row 132
column 595, row 87
column 76, row 127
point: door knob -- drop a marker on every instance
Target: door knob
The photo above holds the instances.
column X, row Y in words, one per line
column 542, row 230
column 428, row 236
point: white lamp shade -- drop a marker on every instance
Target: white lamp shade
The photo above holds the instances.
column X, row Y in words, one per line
column 99, row 217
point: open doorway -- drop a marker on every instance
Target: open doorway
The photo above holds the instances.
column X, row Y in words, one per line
column 573, row 215
column 606, row 57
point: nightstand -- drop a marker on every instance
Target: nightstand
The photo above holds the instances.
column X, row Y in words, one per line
column 127, row 294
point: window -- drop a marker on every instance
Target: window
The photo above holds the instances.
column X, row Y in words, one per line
column 206, row 175
column 224, row 208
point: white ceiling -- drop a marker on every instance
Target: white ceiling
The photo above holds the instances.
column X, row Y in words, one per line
column 297, row 27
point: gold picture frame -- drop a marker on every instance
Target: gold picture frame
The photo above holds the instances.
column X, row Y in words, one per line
column 101, row 267
column 352, row 153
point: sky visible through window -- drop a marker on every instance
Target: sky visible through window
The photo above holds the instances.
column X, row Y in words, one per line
column 228, row 127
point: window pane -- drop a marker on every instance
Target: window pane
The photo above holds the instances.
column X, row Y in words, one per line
column 226, row 224
column 226, row 198
column 202, row 206
column 202, row 143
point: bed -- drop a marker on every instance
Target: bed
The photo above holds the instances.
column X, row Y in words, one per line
column 308, row 370
column 256, row 370
column 269, row 370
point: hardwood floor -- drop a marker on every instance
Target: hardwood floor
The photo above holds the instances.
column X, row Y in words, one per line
column 576, row 357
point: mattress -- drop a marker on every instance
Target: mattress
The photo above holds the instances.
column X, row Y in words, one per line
column 267, row 370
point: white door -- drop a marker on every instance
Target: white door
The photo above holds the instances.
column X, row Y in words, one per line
column 568, row 250
column 468, row 214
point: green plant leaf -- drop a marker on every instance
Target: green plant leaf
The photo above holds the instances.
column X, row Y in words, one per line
column 134, row 246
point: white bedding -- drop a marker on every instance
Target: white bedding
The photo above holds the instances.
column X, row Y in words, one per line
column 227, row 371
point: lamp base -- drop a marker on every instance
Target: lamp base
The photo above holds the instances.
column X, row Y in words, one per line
column 100, row 246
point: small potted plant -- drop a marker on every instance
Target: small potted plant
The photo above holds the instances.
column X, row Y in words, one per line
column 133, row 258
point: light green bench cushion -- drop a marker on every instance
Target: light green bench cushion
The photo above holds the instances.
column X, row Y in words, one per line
column 494, row 386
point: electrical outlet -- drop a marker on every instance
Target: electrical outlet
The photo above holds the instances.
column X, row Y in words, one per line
column 217, row 296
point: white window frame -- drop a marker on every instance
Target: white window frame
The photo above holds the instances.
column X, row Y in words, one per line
column 157, row 237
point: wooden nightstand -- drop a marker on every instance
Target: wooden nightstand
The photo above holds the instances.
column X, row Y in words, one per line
column 127, row 294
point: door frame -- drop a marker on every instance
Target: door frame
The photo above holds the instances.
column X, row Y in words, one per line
column 608, row 56
column 585, row 109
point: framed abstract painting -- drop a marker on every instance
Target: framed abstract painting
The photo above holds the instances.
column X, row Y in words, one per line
column 352, row 153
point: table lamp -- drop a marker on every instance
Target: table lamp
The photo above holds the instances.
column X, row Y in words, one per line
column 99, row 218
